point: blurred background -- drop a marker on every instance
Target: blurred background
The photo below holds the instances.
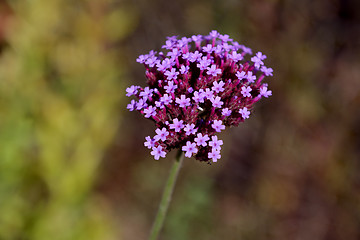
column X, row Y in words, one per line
column 72, row 161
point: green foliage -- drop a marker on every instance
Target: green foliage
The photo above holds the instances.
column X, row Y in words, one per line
column 59, row 98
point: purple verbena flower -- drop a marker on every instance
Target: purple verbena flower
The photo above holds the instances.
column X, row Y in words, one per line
column 215, row 143
column 214, row 34
column 190, row 129
column 214, row 155
column 260, row 56
column 184, row 69
column 189, row 149
column 170, row 88
column 151, row 61
column 196, row 88
column 159, row 104
column 131, row 106
column 265, row 92
column 250, row 77
column 235, row 56
column 161, row 134
column 244, row 112
column 218, row 126
column 150, row 111
column 218, row 50
column 158, row 152
column 267, row 71
column 147, row 93
column 208, row 93
column 245, row 91
column 177, row 125
column 166, row 99
column 225, row 38
column 195, row 56
column 168, row 44
column 216, row 102
column 141, row 104
column 218, row 86
column 172, row 74
column 203, row 63
column 197, row 38
column 172, row 38
column 165, row 64
column 226, row 112
column 213, row 70
column 141, row 59
column 183, row 101
column 246, row 49
column 208, row 48
column 131, row 90
column 198, row 97
column 201, row 140
column 150, row 142
column 174, row 53
column 241, row 75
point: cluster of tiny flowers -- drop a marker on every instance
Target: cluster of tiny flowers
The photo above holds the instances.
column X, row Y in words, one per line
column 196, row 88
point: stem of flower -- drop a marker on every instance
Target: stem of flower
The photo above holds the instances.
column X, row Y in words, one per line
column 166, row 197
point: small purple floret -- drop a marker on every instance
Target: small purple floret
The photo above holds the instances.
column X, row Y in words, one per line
column 172, row 74
column 215, row 143
column 131, row 90
column 226, row 112
column 218, row 126
column 240, row 75
column 250, row 77
column 216, row 102
column 265, row 92
column 177, row 125
column 213, row 70
column 170, row 88
column 158, row 152
column 244, row 113
column 201, row 140
column 183, row 101
column 150, row 111
column 245, row 91
column 218, row 86
column 214, row 155
column 131, row 106
column 190, row 129
column 161, row 134
column 150, row 143
column 166, row 99
column 189, row 149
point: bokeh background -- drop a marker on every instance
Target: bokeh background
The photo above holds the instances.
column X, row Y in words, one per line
column 72, row 161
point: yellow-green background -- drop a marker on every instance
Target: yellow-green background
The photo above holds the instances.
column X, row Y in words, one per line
column 72, row 161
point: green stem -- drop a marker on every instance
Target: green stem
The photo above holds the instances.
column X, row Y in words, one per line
column 166, row 197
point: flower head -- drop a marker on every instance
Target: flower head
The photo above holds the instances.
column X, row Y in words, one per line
column 196, row 88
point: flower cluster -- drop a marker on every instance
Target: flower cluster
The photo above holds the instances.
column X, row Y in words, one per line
column 195, row 89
